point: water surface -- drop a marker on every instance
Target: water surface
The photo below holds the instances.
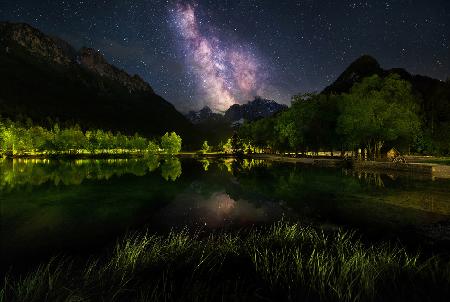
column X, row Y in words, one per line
column 51, row 207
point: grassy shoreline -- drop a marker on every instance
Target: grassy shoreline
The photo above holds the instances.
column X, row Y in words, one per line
column 282, row 262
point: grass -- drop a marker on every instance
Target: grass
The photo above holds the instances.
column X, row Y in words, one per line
column 282, row 262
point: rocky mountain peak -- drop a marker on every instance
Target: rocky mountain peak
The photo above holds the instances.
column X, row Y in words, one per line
column 362, row 67
column 37, row 43
column 93, row 60
column 254, row 109
column 250, row 111
column 203, row 115
column 58, row 51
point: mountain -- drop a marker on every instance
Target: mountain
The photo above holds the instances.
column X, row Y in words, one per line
column 365, row 66
column 204, row 115
column 362, row 67
column 253, row 110
column 46, row 79
column 217, row 127
column 433, row 94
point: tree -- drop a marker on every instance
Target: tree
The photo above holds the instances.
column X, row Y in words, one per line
column 236, row 145
column 260, row 133
column 91, row 141
column 294, row 125
column 8, row 138
column 376, row 111
column 205, row 147
column 138, row 142
column 171, row 143
column 227, row 147
column 152, row 147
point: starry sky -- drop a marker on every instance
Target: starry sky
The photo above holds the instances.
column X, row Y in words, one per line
column 216, row 53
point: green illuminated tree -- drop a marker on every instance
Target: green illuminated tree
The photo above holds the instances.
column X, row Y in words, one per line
column 152, row 147
column 171, row 143
column 376, row 111
column 237, row 145
column 8, row 139
column 294, row 125
column 205, row 147
column 139, row 143
column 227, row 147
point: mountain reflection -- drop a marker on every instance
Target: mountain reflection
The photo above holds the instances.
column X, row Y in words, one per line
column 216, row 210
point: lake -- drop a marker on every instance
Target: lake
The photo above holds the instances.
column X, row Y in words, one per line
column 76, row 207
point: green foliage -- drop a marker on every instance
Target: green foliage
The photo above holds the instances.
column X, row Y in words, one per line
column 227, row 147
column 293, row 125
column 237, row 145
column 205, row 147
column 260, row 133
column 33, row 86
column 376, row 111
column 152, row 147
column 17, row 139
column 171, row 143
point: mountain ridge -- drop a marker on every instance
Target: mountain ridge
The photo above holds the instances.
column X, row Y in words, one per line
column 236, row 113
column 433, row 94
column 44, row 78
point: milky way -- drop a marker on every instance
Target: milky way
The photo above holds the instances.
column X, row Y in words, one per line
column 229, row 51
column 226, row 72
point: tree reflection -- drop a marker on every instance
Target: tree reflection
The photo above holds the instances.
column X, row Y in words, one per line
column 152, row 162
column 171, row 168
column 205, row 163
column 36, row 172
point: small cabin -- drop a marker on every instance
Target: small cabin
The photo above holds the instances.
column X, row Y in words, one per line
column 392, row 153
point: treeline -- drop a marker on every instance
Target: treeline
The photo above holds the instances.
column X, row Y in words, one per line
column 377, row 113
column 17, row 139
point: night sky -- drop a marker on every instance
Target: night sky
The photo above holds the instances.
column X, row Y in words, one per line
column 221, row 52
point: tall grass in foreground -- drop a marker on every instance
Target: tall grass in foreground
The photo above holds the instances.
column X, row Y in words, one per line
column 282, row 262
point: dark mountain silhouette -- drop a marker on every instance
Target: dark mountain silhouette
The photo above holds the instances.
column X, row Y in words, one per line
column 362, row 67
column 217, row 127
column 252, row 110
column 45, row 78
column 204, row 115
column 433, row 94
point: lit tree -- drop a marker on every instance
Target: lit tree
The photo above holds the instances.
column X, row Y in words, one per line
column 205, row 147
column 227, row 147
column 152, row 147
column 378, row 110
column 171, row 143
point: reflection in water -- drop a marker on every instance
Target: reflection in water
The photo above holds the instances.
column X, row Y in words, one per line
column 36, row 172
column 205, row 164
column 371, row 178
column 152, row 162
column 217, row 210
column 101, row 199
column 171, row 168
column 233, row 165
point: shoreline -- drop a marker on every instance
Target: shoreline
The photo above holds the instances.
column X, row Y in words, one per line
column 423, row 169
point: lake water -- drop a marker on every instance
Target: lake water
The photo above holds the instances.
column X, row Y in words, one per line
column 51, row 207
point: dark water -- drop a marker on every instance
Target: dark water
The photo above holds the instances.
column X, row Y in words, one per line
column 51, row 207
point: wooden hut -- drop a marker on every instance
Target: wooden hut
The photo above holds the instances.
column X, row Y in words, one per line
column 392, row 153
